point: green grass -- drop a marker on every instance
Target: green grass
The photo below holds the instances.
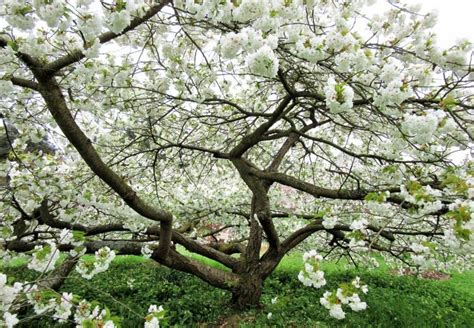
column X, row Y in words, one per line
column 133, row 283
column 462, row 282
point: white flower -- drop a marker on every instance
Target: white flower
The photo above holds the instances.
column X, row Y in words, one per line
column 420, row 129
column 336, row 312
column 43, row 305
column 312, row 254
column 6, row 87
column 51, row 12
column 63, row 311
column 91, row 27
column 109, row 324
column 93, row 50
column 339, row 97
column 417, row 248
column 153, row 308
column 356, row 284
column 269, row 315
column 146, row 251
column 153, row 323
column 274, row 300
column 356, row 243
column 119, row 20
column 18, row 14
column 344, row 299
column 152, row 320
column 308, row 276
column 310, row 49
column 8, row 293
column 356, row 304
column 250, row 10
column 325, row 300
column 329, row 222
column 231, row 44
column 65, row 236
column 103, row 258
column 121, row 79
column 359, row 224
column 10, row 319
column 365, row 289
column 419, row 260
column 44, row 258
column 263, row 62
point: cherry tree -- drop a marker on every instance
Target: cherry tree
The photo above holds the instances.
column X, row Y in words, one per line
column 149, row 127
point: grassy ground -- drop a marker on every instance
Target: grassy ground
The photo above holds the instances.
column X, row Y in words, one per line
column 133, row 283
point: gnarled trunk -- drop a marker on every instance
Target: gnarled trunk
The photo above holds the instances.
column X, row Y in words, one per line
column 247, row 292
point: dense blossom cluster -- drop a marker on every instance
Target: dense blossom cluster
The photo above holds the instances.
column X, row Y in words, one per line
column 338, row 96
column 7, row 297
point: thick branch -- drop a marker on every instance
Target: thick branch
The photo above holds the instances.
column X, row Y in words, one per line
column 310, row 188
column 24, row 83
column 56, row 278
column 213, row 276
column 57, row 106
column 45, row 217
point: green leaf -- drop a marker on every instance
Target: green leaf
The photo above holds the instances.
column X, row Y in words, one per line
column 375, row 197
column 448, row 103
column 14, row 45
column 78, row 235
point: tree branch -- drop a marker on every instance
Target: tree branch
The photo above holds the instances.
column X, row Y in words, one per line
column 76, row 55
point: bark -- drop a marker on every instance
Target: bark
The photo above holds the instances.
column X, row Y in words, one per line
column 248, row 291
column 57, row 278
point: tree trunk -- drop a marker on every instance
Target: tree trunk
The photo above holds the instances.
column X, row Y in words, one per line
column 248, row 291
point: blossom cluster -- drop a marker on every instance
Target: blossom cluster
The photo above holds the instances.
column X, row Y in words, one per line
column 8, row 294
column 339, row 96
column 311, row 275
column 155, row 314
column 346, row 294
column 44, row 257
column 261, row 58
column 103, row 257
column 61, row 307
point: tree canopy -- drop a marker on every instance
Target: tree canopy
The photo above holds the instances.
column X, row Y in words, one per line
column 238, row 130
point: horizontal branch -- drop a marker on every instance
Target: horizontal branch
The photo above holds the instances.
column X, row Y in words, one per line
column 21, row 82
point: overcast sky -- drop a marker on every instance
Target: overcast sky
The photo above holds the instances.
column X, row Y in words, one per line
column 455, row 19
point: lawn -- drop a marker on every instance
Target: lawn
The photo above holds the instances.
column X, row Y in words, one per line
column 133, row 283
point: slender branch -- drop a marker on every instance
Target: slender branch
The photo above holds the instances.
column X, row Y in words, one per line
column 253, row 138
column 76, row 55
